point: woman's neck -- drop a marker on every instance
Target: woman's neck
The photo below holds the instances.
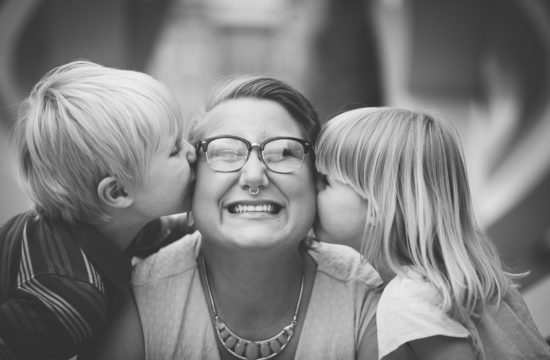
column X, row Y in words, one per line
column 256, row 291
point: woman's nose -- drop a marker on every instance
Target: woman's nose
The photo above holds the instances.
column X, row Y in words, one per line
column 254, row 171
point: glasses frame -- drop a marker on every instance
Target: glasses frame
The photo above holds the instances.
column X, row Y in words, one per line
column 203, row 145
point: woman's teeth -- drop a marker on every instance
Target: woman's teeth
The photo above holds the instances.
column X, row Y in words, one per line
column 263, row 208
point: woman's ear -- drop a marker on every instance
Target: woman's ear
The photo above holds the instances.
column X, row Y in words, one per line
column 112, row 193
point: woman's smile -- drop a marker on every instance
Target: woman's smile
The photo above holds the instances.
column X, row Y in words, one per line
column 269, row 208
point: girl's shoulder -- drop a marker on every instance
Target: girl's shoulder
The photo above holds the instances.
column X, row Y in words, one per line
column 410, row 289
column 410, row 308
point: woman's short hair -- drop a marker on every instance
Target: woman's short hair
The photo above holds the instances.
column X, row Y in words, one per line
column 266, row 88
column 83, row 122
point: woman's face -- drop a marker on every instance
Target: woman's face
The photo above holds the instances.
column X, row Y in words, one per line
column 283, row 211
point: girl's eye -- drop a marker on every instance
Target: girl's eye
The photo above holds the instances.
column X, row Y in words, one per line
column 324, row 179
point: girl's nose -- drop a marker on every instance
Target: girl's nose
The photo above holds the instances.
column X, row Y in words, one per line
column 190, row 153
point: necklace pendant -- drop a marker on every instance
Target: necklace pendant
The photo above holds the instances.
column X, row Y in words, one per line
column 218, row 323
column 250, row 349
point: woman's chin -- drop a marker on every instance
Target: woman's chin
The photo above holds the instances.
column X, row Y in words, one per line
column 260, row 236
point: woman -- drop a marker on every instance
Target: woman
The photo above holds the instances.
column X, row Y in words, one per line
column 252, row 284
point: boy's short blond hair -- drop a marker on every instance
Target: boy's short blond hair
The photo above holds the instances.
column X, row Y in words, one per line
column 83, row 122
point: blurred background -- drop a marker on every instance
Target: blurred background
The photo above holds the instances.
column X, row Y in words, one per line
column 482, row 64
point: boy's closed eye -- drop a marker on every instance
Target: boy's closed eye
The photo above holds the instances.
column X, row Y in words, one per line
column 322, row 181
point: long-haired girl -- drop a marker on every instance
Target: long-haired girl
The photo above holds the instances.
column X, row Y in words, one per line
column 395, row 186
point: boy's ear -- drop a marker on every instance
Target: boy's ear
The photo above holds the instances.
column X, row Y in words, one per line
column 111, row 192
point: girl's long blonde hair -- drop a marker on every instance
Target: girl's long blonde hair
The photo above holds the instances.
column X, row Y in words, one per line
column 410, row 168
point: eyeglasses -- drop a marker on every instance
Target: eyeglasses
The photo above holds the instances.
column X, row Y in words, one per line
column 228, row 153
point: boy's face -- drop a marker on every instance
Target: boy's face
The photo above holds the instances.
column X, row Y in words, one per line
column 341, row 213
column 166, row 185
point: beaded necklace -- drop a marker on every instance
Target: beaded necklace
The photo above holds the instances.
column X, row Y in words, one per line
column 251, row 349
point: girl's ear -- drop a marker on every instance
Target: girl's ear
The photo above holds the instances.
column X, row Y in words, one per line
column 111, row 193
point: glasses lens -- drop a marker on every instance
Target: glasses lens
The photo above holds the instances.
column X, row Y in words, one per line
column 283, row 155
column 226, row 154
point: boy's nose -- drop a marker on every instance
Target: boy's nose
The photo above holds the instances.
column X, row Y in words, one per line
column 320, row 183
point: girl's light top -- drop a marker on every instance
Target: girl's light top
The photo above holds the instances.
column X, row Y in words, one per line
column 410, row 309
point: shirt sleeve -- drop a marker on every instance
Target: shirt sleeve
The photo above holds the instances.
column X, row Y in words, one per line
column 5, row 353
column 50, row 316
column 159, row 233
column 410, row 309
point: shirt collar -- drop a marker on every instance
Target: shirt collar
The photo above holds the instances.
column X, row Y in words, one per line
column 111, row 262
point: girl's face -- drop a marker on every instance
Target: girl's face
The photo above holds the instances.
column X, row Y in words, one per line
column 341, row 213
column 226, row 213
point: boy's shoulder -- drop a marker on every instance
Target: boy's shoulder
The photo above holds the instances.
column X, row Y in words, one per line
column 50, row 247
column 13, row 227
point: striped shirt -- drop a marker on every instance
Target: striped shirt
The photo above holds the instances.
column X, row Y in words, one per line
column 58, row 285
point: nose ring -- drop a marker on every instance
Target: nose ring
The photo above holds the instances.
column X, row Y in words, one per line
column 254, row 192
